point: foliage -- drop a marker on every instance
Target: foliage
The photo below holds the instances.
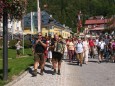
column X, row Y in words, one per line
column 82, row 29
column 27, row 44
column 1, row 42
column 12, row 44
column 66, row 11
column 15, row 8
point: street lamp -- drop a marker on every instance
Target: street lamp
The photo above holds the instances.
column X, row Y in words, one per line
column 5, row 41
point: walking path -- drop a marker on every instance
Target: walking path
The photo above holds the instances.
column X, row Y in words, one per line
column 93, row 74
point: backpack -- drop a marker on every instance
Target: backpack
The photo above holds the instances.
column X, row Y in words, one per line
column 113, row 46
column 59, row 47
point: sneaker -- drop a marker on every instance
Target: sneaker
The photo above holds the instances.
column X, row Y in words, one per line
column 34, row 73
column 80, row 65
column 59, row 72
column 99, row 62
column 77, row 63
column 54, row 72
column 41, row 72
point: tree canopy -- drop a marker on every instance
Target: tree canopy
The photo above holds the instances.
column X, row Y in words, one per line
column 66, row 11
column 14, row 8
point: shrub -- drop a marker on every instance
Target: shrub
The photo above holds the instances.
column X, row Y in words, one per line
column 12, row 44
column 1, row 42
column 27, row 44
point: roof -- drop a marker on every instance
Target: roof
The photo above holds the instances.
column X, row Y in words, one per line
column 97, row 17
column 46, row 19
column 89, row 22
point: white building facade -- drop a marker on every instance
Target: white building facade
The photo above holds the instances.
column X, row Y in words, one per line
column 14, row 27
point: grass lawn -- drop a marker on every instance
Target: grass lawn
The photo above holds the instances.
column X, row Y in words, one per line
column 16, row 66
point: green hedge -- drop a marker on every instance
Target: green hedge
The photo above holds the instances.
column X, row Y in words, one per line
column 27, row 44
column 12, row 44
column 1, row 42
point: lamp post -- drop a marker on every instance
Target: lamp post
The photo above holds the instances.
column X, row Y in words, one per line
column 15, row 9
column 5, row 44
column 39, row 17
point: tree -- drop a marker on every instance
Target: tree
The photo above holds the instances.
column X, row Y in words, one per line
column 13, row 9
column 65, row 11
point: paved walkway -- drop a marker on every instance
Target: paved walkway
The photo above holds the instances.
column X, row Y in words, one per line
column 93, row 74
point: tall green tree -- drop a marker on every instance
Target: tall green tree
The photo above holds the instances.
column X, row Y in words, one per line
column 65, row 11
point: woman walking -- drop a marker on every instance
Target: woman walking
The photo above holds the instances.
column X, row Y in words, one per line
column 86, row 50
column 71, row 50
column 79, row 51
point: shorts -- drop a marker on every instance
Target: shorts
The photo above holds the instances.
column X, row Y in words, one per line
column 57, row 56
column 18, row 52
column 49, row 54
column 101, row 51
column 39, row 57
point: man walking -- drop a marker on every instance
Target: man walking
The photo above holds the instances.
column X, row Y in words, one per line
column 57, row 53
column 39, row 54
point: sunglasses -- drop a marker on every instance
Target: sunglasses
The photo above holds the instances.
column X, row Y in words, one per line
column 39, row 35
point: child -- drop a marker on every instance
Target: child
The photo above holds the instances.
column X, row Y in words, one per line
column 18, row 48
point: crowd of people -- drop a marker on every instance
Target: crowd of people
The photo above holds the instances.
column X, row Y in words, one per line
column 78, row 49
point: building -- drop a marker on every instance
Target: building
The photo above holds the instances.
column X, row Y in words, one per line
column 29, row 25
column 14, row 27
column 48, row 24
column 95, row 24
column 111, row 25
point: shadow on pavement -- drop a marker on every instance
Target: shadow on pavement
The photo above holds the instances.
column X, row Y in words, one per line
column 74, row 64
column 48, row 71
column 48, row 65
column 93, row 61
column 66, row 60
column 30, row 71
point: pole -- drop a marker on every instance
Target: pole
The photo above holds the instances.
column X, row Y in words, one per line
column 23, row 42
column 12, row 28
column 39, row 17
column 23, row 32
column 32, row 29
column 5, row 44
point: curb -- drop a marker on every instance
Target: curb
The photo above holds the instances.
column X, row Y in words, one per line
column 17, row 79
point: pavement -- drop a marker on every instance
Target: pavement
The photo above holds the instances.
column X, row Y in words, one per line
column 92, row 74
